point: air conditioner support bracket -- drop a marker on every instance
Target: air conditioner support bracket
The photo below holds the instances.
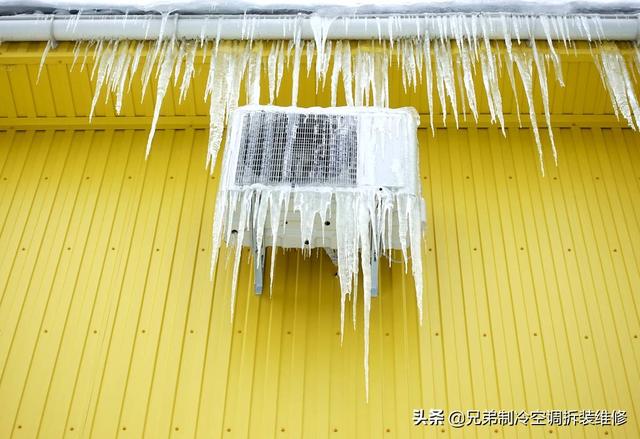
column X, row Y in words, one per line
column 258, row 264
column 374, row 276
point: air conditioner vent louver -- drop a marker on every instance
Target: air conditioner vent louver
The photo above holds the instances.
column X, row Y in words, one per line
column 298, row 149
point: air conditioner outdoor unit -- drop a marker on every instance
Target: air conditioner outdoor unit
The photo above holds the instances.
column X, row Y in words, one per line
column 345, row 179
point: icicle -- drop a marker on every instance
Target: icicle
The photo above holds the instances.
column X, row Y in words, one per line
column 490, row 79
column 271, row 69
column 554, row 55
column 310, row 45
column 297, row 32
column 85, row 55
column 337, row 67
column 445, row 79
column 429, row 79
column 104, row 63
column 169, row 58
column 465, row 60
column 253, row 75
column 615, row 76
column 525, row 66
column 347, row 76
column 45, row 52
column 188, row 70
column 76, row 53
column 178, row 62
column 509, row 64
column 135, row 62
column 118, row 75
column 320, row 27
column 544, row 90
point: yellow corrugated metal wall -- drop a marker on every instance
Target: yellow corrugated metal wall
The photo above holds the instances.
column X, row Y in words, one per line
column 110, row 326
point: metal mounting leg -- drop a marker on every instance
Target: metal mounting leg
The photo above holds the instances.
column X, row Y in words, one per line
column 374, row 276
column 258, row 270
column 258, row 263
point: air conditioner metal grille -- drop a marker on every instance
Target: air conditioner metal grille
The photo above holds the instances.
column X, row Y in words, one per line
column 298, row 149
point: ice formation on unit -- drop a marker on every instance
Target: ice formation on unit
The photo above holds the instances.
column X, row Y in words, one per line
column 343, row 178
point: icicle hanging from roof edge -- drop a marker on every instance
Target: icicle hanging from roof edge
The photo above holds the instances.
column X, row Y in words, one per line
column 616, row 79
column 43, row 58
column 364, row 66
column 226, row 71
column 524, row 62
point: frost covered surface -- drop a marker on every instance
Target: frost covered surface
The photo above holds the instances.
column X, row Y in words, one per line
column 355, row 168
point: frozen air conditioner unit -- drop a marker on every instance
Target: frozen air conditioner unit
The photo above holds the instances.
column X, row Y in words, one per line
column 345, row 179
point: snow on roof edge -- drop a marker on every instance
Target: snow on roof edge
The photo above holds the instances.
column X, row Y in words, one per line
column 322, row 7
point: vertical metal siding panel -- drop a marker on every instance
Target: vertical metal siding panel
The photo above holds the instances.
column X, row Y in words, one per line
column 78, row 330
column 280, row 365
column 75, row 221
column 127, row 333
